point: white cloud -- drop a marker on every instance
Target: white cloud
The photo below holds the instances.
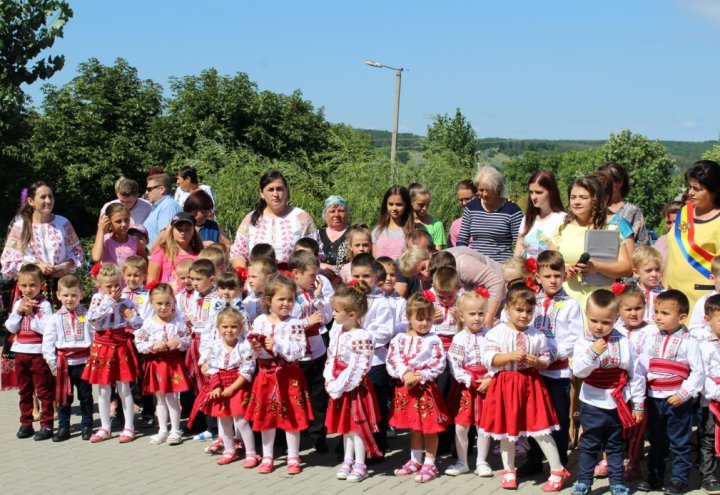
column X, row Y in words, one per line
column 689, row 124
column 707, row 9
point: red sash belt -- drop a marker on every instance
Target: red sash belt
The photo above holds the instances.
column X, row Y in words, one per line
column 613, row 379
column 667, row 366
column 477, row 372
column 27, row 335
column 446, row 341
column 313, row 331
column 222, row 379
column 174, row 356
column 275, row 366
column 715, row 411
column 363, row 417
column 63, row 386
column 559, row 364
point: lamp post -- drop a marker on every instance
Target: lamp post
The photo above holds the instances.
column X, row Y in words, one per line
column 396, row 117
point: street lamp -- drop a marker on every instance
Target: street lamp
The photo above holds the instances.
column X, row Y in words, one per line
column 398, row 76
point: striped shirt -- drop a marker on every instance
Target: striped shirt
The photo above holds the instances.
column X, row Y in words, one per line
column 493, row 233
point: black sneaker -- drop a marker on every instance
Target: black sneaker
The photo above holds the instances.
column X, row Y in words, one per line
column 87, row 432
column 675, row 488
column 147, row 422
column 25, row 431
column 61, row 435
column 711, row 487
column 649, row 485
column 43, row 434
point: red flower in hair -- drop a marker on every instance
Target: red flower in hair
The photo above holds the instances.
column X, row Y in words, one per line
column 151, row 285
column 241, row 272
column 287, row 273
column 428, row 294
column 352, row 283
column 482, row 292
column 95, row 269
column 618, row 288
column 531, row 265
column 530, row 283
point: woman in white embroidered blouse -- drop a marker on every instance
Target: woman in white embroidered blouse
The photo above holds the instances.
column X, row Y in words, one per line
column 273, row 221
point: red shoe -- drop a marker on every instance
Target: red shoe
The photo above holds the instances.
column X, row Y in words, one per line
column 293, row 465
column 127, row 436
column 509, row 483
column 556, row 486
column 266, row 466
column 251, row 461
column 227, row 458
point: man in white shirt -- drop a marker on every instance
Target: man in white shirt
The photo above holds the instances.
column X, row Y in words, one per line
column 187, row 181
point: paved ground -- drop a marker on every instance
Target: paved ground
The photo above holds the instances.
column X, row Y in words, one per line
column 137, row 468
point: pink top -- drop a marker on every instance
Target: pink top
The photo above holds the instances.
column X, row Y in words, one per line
column 389, row 243
column 454, row 231
column 116, row 252
column 167, row 269
column 661, row 245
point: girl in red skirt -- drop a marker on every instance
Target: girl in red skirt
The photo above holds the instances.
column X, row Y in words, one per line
column 353, row 409
column 416, row 358
column 471, row 381
column 517, row 403
column 162, row 338
column 229, row 366
column 112, row 359
column 279, row 396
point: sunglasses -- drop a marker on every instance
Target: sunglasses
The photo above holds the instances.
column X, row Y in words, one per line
column 152, row 188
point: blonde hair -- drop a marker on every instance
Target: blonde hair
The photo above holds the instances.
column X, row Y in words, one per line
column 446, row 278
column 411, row 258
column 136, row 262
column 464, row 300
column 356, row 230
column 715, row 267
column 230, row 312
column 489, row 178
column 644, row 255
column 274, row 284
column 217, row 256
column 108, row 271
column 515, row 267
column 353, row 298
column 184, row 264
column 418, row 306
column 163, row 289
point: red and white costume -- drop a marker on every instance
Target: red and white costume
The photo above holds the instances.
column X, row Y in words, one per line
column 710, row 351
column 379, row 321
column 698, row 327
column 164, row 371
column 210, row 334
column 465, row 358
column 561, row 320
column 279, row 396
column 197, row 316
column 517, row 403
column 140, row 298
column 112, row 358
column 66, row 342
column 223, row 370
column 308, row 302
column 650, row 296
column 422, row 407
column 183, row 298
column 447, row 328
column 353, row 406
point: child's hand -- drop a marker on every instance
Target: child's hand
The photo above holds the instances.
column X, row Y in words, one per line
column 173, row 344
column 228, row 392
column 599, row 346
column 269, row 344
column 255, row 345
column 517, row 356
column 535, row 362
column 316, row 318
column 204, row 368
column 455, row 313
column 26, row 306
column 638, row 416
column 128, row 313
column 675, row 400
column 438, row 315
column 215, row 393
column 104, row 223
column 410, row 379
column 116, row 294
column 483, row 384
column 54, row 372
column 160, row 347
column 318, row 285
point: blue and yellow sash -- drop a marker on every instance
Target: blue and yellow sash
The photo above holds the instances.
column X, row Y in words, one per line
column 696, row 256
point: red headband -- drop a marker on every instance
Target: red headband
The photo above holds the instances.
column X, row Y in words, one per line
column 482, row 292
column 95, row 269
column 618, row 288
column 531, row 265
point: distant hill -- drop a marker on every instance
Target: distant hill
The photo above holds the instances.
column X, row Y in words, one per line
column 683, row 152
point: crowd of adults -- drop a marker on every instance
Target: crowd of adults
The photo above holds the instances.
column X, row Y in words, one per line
column 170, row 226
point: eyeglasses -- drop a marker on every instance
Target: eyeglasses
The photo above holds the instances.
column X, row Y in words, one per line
column 152, row 188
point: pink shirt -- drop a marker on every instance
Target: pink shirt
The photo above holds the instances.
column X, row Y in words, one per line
column 116, row 252
column 389, row 243
column 167, row 269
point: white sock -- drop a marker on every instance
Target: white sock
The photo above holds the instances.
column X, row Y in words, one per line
column 359, row 448
column 246, row 434
column 461, row 443
column 507, row 453
column 161, row 410
column 430, row 461
column 483, row 447
column 226, row 432
column 416, row 455
column 173, row 405
column 293, row 443
column 104, row 406
column 123, row 390
column 547, row 444
column 268, row 439
column 349, row 443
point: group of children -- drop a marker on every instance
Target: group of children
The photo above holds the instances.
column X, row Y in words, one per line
column 250, row 350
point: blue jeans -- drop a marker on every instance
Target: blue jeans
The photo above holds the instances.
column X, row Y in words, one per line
column 84, row 394
column 669, row 428
column 601, row 429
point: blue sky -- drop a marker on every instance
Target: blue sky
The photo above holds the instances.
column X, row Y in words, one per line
column 516, row 68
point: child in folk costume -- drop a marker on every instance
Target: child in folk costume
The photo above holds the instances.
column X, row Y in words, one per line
column 66, row 348
column 472, row 380
column 27, row 323
column 279, row 396
column 612, row 375
column 397, row 302
column 258, row 274
column 134, row 273
column 674, row 376
column 184, row 290
column 161, row 340
column 417, row 358
column 647, row 265
column 353, row 409
column 230, row 365
column 698, row 326
column 112, row 358
column 517, row 403
column 709, row 428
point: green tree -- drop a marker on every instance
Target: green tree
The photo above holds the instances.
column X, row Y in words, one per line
column 97, row 127
column 453, row 134
column 712, row 154
column 650, row 168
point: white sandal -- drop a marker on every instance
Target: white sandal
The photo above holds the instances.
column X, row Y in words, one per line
column 159, row 438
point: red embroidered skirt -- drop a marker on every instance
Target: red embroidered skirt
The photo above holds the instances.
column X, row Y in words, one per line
column 279, row 398
column 421, row 408
column 230, row 406
column 339, row 417
column 112, row 359
column 165, row 372
column 517, row 404
column 192, row 358
column 8, row 377
column 465, row 405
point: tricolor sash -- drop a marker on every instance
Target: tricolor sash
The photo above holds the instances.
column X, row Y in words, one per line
column 684, row 229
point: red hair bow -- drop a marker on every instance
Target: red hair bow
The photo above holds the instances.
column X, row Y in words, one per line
column 618, row 288
column 241, row 272
column 531, row 265
column 530, row 284
column 482, row 292
column 151, row 285
column 352, row 283
column 95, row 269
column 428, row 294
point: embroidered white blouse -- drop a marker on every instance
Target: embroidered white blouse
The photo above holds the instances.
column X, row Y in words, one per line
column 562, row 322
column 106, row 313
column 423, row 354
column 154, row 332
column 66, row 330
column 710, row 351
column 502, row 339
column 466, row 350
column 241, row 358
column 353, row 348
column 37, row 324
column 380, row 322
column 288, row 335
